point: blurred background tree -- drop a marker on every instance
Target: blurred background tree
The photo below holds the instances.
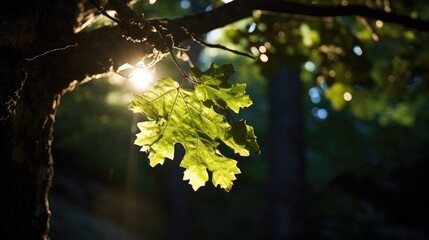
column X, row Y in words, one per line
column 339, row 111
column 363, row 100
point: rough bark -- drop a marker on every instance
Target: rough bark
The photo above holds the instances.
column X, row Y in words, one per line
column 31, row 90
column 29, row 97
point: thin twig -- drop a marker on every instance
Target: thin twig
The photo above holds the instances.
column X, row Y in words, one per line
column 203, row 43
column 53, row 50
column 102, row 11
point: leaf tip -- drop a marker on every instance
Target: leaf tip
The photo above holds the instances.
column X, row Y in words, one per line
column 197, row 177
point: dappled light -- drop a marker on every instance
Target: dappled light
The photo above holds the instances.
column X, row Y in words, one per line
column 215, row 119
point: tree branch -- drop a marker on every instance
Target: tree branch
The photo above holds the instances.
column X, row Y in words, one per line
column 285, row 7
column 239, row 9
column 121, row 7
column 114, row 47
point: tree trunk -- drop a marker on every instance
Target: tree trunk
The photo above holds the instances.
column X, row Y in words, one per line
column 27, row 162
column 286, row 174
column 40, row 59
column 30, row 94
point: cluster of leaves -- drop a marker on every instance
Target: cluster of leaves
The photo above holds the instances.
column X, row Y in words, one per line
column 187, row 116
column 380, row 64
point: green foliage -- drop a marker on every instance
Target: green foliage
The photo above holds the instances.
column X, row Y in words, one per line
column 216, row 88
column 380, row 64
column 186, row 116
column 335, row 95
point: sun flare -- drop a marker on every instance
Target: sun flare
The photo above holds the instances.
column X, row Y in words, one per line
column 141, row 78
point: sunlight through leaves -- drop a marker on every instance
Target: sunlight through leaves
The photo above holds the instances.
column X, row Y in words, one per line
column 187, row 116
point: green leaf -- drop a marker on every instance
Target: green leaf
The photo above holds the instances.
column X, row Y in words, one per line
column 214, row 86
column 177, row 115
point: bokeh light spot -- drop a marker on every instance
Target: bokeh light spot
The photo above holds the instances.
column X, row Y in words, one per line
column 309, row 66
column 185, row 4
column 315, row 95
column 357, row 50
column 319, row 113
column 252, row 27
column 255, row 51
column 347, row 96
